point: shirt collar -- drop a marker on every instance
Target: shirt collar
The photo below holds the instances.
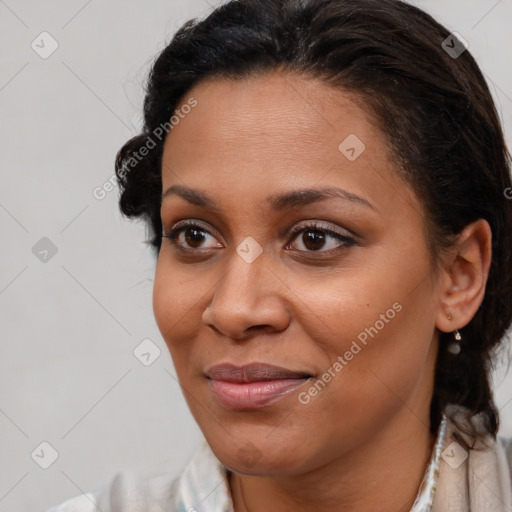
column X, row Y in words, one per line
column 427, row 489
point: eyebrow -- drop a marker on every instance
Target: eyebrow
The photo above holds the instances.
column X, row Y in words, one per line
column 276, row 202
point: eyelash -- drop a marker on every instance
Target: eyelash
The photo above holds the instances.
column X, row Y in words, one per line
column 347, row 240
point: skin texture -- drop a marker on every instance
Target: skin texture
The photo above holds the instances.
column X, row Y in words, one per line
column 363, row 442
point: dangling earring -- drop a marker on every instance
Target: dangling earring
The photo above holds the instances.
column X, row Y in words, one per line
column 454, row 346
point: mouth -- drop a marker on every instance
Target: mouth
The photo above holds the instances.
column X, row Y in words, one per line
column 253, row 372
column 254, row 385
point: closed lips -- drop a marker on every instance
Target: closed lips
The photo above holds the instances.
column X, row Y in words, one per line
column 254, row 372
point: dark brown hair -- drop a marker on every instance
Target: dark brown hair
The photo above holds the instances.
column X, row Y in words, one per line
column 434, row 108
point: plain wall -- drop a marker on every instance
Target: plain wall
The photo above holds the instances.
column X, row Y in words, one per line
column 69, row 325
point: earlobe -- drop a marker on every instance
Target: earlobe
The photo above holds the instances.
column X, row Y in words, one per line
column 463, row 280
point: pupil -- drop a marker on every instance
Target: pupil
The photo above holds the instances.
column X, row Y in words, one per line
column 315, row 238
column 197, row 236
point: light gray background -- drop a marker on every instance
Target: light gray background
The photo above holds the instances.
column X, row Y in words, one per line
column 69, row 326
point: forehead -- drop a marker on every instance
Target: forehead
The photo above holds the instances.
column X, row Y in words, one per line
column 268, row 132
column 251, row 110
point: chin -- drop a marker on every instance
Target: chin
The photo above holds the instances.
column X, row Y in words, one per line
column 246, row 458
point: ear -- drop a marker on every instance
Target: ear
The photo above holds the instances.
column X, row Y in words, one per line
column 464, row 277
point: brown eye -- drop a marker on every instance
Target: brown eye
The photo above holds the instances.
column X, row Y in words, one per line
column 315, row 238
column 189, row 236
column 193, row 237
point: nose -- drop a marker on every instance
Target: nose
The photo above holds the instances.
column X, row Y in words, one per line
column 249, row 298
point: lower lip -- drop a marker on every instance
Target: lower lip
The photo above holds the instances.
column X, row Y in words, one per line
column 252, row 395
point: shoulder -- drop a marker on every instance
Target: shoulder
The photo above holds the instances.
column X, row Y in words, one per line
column 197, row 487
column 506, row 443
column 505, row 447
column 126, row 492
column 490, row 458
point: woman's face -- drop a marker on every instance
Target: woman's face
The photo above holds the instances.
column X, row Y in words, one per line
column 336, row 285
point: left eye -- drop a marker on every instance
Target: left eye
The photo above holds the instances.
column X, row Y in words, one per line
column 315, row 237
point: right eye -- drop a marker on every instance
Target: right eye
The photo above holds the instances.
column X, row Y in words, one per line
column 189, row 236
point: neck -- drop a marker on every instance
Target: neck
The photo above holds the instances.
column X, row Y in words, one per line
column 383, row 475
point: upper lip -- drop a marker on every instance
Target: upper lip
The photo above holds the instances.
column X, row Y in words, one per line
column 252, row 372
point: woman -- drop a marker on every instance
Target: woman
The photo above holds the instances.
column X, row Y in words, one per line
column 325, row 183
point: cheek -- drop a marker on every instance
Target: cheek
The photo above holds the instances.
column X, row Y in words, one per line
column 339, row 307
column 176, row 303
column 378, row 318
column 382, row 366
